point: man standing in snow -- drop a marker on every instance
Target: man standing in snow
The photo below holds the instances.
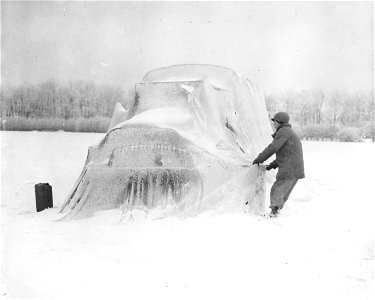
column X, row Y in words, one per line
column 289, row 160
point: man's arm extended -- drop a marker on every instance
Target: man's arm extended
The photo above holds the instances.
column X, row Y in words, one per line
column 279, row 140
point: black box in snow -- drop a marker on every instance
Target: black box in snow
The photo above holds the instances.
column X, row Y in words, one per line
column 43, row 195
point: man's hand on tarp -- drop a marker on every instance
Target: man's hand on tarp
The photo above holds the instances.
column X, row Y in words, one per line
column 256, row 161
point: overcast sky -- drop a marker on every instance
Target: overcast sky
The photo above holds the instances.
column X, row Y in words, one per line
column 278, row 45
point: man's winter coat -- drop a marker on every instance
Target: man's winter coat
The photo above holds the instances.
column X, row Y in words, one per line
column 289, row 155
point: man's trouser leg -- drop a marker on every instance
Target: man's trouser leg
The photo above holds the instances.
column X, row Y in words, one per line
column 280, row 191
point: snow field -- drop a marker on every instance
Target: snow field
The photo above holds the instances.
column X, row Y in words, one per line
column 321, row 246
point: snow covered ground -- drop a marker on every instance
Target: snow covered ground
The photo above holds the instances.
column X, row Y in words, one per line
column 321, row 246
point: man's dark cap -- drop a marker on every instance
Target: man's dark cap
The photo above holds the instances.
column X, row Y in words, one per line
column 281, row 117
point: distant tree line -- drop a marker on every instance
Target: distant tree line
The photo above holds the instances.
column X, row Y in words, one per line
column 67, row 101
column 87, row 106
column 331, row 116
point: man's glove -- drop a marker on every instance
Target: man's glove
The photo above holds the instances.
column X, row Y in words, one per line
column 272, row 165
column 256, row 161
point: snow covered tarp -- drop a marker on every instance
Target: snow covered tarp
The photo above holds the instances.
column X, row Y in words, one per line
column 180, row 148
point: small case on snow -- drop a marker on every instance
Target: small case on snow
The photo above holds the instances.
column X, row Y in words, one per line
column 43, row 195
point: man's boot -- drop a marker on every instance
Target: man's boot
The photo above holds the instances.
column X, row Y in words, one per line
column 274, row 211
